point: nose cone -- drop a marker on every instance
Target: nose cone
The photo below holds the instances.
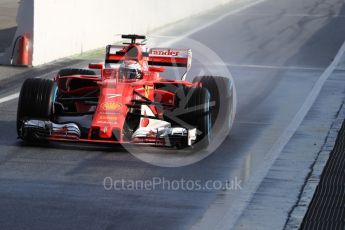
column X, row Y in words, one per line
column 111, row 111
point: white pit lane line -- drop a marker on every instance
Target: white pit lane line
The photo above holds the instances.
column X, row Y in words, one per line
column 46, row 75
column 9, row 98
column 190, row 32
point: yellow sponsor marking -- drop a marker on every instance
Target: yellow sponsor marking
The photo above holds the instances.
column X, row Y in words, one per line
column 147, row 89
column 111, row 106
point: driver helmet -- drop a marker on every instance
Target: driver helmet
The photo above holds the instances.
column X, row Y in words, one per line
column 131, row 70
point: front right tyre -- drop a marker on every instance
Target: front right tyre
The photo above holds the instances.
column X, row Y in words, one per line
column 36, row 101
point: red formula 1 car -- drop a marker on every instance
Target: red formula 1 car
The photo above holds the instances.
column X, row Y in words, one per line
column 129, row 102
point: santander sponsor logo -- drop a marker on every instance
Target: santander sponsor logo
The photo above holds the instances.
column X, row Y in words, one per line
column 165, row 52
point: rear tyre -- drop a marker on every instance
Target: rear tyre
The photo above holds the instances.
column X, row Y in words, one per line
column 72, row 71
column 35, row 102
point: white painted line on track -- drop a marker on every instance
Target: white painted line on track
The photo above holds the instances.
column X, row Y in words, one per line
column 266, row 66
column 300, row 15
column 227, row 219
column 183, row 36
column 9, row 98
column 16, row 95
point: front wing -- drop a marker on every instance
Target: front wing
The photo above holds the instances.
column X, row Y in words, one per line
column 70, row 132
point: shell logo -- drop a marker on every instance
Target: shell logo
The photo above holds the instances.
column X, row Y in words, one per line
column 111, row 106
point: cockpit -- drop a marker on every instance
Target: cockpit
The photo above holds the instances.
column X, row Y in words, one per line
column 130, row 70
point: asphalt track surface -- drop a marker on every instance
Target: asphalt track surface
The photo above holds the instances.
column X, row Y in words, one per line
column 275, row 50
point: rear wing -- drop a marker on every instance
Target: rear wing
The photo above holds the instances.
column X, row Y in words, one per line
column 114, row 54
column 156, row 57
column 171, row 57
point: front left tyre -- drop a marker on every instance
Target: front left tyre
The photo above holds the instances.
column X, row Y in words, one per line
column 193, row 111
column 199, row 103
column 222, row 100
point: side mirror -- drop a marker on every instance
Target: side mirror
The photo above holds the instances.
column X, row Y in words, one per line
column 96, row 65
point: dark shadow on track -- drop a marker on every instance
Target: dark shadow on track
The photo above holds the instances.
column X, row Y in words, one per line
column 8, row 133
column 6, row 38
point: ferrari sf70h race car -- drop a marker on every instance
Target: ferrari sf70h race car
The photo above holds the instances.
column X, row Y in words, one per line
column 128, row 102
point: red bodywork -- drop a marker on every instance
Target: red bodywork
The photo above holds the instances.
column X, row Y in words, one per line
column 117, row 96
